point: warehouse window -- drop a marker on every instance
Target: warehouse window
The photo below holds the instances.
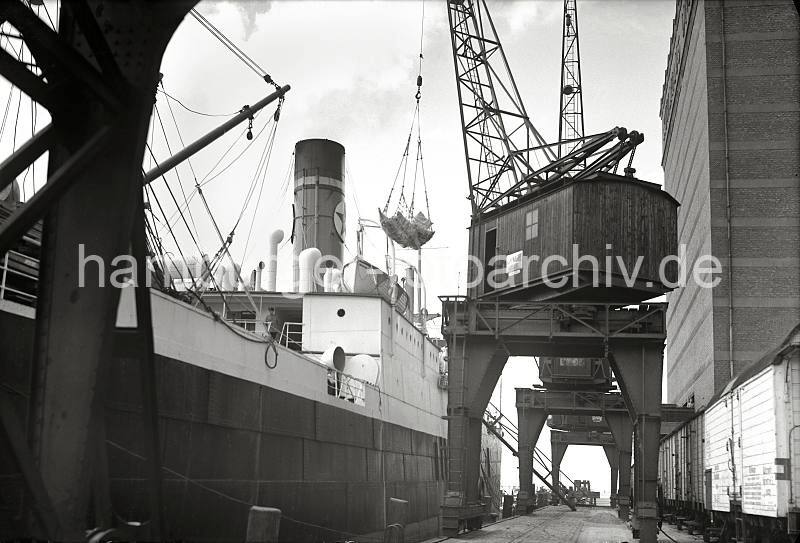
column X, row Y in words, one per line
column 532, row 224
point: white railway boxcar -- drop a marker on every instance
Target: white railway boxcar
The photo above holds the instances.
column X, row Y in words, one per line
column 734, row 469
column 752, row 440
column 747, row 437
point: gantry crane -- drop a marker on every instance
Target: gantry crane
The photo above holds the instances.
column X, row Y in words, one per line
column 507, row 159
column 506, row 156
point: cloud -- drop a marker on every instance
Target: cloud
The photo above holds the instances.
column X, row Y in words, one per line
column 250, row 10
column 520, row 16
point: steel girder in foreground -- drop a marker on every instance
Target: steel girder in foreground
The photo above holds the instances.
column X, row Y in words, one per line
column 97, row 77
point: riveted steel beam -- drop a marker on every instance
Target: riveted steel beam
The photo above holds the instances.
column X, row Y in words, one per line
column 90, row 202
column 26, row 155
column 59, row 182
column 600, row 439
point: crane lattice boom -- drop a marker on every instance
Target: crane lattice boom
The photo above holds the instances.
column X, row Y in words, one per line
column 506, row 156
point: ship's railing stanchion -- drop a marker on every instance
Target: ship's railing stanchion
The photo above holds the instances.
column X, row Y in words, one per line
column 346, row 387
column 291, row 335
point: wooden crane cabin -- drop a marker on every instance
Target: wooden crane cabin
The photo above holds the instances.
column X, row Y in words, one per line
column 612, row 219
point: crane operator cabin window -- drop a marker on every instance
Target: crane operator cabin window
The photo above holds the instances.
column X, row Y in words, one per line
column 532, row 224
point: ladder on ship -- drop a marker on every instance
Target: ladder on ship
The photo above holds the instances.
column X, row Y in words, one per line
column 506, row 431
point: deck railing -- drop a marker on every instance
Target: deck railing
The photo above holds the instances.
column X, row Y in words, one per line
column 347, row 388
column 291, row 335
column 19, row 277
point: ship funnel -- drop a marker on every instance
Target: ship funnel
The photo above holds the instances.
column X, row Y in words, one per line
column 272, row 260
column 259, row 271
column 307, row 268
column 319, row 204
column 334, row 358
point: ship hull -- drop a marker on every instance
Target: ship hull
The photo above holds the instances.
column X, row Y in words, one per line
column 228, row 443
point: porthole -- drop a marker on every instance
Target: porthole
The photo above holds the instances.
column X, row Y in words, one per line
column 340, row 312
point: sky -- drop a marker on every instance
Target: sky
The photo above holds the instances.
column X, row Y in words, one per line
column 352, row 67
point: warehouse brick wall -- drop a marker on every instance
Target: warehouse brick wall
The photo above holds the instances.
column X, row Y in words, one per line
column 686, row 167
column 756, row 91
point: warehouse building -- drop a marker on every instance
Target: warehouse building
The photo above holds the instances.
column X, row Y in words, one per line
column 730, row 120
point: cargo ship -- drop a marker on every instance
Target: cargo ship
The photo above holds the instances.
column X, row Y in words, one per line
column 325, row 402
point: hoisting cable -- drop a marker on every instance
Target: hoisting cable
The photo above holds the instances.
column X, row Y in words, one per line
column 417, row 117
column 403, row 226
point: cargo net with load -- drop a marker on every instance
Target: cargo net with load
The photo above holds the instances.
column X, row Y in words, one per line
column 406, row 226
column 410, row 231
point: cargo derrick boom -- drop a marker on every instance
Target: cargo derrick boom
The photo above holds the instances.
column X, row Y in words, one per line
column 506, row 156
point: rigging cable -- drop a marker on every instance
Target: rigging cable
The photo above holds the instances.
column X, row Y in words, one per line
column 203, row 182
column 238, row 52
column 208, row 177
column 226, row 243
column 268, row 152
column 187, row 108
column 177, row 174
column 172, row 232
column 178, row 245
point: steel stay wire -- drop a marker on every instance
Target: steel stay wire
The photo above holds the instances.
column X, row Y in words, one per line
column 191, row 110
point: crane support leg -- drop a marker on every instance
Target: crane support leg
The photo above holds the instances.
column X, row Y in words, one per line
column 474, row 367
column 531, row 422
column 558, row 449
column 612, row 455
column 638, row 367
column 622, row 429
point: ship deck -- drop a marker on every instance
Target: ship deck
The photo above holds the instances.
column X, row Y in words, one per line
column 557, row 524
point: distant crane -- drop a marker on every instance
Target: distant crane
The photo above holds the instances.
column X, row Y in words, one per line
column 506, row 156
column 570, row 118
